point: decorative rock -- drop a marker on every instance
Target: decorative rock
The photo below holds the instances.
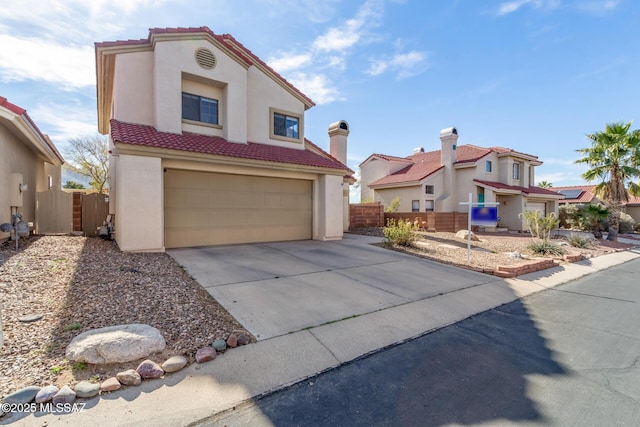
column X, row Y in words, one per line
column 115, row 344
column 463, row 234
column 65, row 395
column 243, row 339
column 205, row 354
column 129, row 377
column 232, row 341
column 149, row 369
column 219, row 345
column 110, row 384
column 174, row 363
column 24, row 395
column 46, row 393
column 515, row 255
column 30, row 318
column 86, row 389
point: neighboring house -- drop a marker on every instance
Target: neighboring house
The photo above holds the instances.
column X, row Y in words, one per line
column 29, row 164
column 585, row 194
column 439, row 180
column 208, row 146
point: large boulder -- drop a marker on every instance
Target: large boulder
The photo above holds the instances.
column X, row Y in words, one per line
column 464, row 235
column 115, row 344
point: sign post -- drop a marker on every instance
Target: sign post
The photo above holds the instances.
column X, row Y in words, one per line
column 479, row 214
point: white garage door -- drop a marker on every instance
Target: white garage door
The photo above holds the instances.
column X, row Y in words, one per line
column 205, row 208
column 541, row 207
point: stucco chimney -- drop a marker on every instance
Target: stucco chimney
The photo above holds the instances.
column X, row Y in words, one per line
column 448, row 141
column 338, row 133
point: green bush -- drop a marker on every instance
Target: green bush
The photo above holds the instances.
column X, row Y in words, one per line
column 394, row 205
column 545, row 247
column 402, row 233
column 626, row 224
column 578, row 241
column 540, row 226
column 569, row 216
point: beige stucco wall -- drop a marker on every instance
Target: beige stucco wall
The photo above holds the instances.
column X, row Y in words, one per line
column 139, row 204
column 16, row 157
column 133, row 94
column 265, row 93
column 328, row 202
column 634, row 211
column 406, row 194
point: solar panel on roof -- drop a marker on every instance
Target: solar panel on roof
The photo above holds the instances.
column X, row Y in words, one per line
column 571, row 194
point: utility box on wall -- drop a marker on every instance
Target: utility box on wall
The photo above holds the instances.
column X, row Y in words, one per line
column 16, row 189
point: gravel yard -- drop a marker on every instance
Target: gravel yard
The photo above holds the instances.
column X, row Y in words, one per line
column 492, row 250
column 79, row 283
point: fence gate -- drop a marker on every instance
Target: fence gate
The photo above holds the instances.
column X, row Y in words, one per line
column 95, row 209
column 53, row 212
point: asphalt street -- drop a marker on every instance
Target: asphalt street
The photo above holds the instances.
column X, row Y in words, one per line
column 568, row 356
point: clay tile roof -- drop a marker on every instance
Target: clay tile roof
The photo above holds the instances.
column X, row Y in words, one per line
column 231, row 43
column 422, row 165
column 525, row 190
column 22, row 112
column 148, row 136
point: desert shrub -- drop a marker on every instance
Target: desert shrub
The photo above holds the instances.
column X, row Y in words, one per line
column 545, row 247
column 578, row 241
column 540, row 226
column 394, row 205
column 569, row 216
column 626, row 223
column 402, row 233
column 593, row 218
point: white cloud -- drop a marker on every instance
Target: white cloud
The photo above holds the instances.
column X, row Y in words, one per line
column 25, row 59
column 403, row 64
column 598, row 6
column 340, row 38
column 511, row 6
column 64, row 121
column 316, row 86
column 289, row 62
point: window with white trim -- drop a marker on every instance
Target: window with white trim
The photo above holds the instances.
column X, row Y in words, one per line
column 429, row 189
column 428, row 205
column 488, row 166
column 516, row 171
column 415, row 206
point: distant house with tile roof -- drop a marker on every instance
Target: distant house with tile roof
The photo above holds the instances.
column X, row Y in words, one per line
column 585, row 194
column 208, row 146
column 439, row 180
column 29, row 164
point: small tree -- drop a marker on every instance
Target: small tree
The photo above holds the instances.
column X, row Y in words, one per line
column 541, row 228
column 74, row 185
column 89, row 156
column 394, row 205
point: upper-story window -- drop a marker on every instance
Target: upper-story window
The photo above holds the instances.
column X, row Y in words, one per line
column 199, row 109
column 516, row 171
column 488, row 166
column 286, row 126
column 429, row 189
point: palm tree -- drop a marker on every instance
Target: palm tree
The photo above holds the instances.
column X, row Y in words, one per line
column 614, row 160
column 545, row 184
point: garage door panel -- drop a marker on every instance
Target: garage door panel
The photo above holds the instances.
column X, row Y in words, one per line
column 203, row 208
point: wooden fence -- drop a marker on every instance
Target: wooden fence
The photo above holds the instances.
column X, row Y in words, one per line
column 59, row 212
column 373, row 215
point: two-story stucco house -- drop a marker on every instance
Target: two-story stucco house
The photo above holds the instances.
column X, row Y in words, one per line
column 439, row 180
column 29, row 164
column 208, row 146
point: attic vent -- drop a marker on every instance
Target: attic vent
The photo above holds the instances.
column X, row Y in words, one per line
column 205, row 58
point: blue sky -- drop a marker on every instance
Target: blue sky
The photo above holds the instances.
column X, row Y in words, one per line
column 532, row 75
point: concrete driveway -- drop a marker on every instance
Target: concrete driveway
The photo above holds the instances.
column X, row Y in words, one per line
column 273, row 289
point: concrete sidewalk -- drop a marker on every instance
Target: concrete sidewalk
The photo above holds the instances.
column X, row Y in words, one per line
column 200, row 391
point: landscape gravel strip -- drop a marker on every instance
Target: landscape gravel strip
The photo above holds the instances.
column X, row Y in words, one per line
column 76, row 284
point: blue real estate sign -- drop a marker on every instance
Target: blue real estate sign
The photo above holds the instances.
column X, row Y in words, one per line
column 484, row 216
